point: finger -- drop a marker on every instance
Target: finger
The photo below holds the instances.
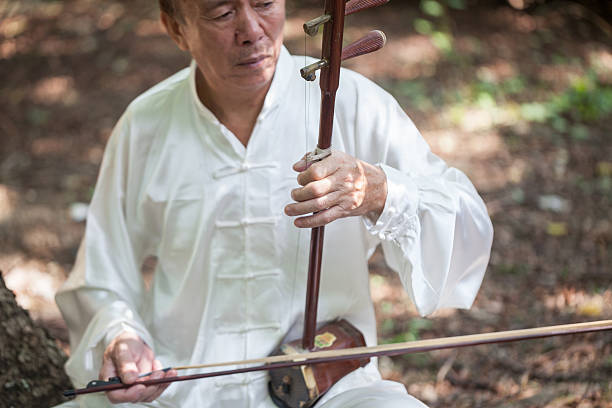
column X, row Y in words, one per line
column 300, row 165
column 162, row 387
column 108, row 369
column 321, row 218
column 314, row 205
column 159, row 389
column 318, row 171
column 153, row 391
column 314, row 189
column 153, row 366
column 125, row 363
column 145, row 361
column 132, row 394
column 303, row 163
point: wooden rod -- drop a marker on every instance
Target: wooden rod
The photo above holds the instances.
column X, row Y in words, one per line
column 330, row 78
column 312, row 287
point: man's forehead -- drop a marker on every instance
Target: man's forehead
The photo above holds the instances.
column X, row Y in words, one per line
column 210, row 3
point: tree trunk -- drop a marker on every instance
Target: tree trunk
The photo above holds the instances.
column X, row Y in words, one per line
column 31, row 364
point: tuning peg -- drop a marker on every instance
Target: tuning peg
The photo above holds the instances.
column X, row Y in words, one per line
column 312, row 27
column 355, row 6
column 309, row 72
column 372, row 41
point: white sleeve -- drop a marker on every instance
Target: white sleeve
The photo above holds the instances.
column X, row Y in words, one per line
column 434, row 229
column 102, row 295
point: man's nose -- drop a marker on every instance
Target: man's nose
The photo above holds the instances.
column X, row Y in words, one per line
column 248, row 30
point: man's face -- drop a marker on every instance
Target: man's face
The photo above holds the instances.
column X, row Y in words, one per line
column 236, row 43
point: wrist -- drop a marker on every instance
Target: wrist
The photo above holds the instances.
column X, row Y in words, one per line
column 376, row 191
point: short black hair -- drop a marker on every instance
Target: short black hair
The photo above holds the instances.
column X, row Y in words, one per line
column 170, row 7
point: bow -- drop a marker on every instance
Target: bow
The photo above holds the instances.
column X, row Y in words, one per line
column 292, row 360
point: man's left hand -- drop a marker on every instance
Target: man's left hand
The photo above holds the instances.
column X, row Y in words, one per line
column 336, row 187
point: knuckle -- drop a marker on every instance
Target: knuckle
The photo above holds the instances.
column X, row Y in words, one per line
column 355, row 201
column 321, row 202
column 317, row 172
column 327, row 217
column 317, row 190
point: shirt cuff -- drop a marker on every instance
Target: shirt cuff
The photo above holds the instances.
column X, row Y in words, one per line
column 110, row 321
column 130, row 327
column 400, row 214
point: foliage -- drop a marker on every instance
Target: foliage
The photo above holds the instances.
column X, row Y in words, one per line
column 586, row 100
column 415, row 327
column 436, row 22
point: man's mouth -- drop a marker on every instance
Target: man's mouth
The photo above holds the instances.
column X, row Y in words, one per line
column 253, row 61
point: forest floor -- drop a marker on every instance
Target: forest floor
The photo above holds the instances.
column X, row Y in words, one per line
column 519, row 101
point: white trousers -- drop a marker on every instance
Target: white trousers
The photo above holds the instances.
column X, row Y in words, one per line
column 381, row 394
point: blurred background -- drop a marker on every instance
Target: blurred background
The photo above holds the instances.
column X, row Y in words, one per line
column 516, row 93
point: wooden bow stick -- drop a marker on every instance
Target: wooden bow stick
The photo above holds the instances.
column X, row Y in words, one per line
column 420, row 346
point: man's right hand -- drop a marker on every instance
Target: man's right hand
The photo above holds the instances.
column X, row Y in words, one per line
column 126, row 357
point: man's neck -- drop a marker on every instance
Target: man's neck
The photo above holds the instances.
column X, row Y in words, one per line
column 238, row 111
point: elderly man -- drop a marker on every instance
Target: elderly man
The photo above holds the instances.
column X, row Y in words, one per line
column 199, row 173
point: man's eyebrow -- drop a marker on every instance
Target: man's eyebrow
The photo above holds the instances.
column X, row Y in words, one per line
column 211, row 4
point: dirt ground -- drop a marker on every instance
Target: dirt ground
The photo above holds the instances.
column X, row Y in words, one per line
column 521, row 101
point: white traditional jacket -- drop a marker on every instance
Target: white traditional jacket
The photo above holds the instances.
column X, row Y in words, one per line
column 230, row 281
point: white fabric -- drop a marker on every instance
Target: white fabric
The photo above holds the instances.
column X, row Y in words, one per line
column 379, row 394
column 230, row 281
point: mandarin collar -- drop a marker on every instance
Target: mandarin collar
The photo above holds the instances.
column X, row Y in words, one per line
column 282, row 75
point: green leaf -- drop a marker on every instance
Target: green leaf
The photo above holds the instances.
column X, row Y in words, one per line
column 559, row 124
column 513, row 85
column 419, row 324
column 432, row 8
column 485, row 100
column 456, row 4
column 387, row 326
column 423, row 26
column 579, row 132
column 534, row 112
column 443, row 41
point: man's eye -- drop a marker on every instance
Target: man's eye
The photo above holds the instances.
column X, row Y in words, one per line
column 224, row 16
column 265, row 4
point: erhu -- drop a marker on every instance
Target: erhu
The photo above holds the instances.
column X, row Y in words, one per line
column 302, row 386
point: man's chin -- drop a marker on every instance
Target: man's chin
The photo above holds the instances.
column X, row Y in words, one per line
column 254, row 80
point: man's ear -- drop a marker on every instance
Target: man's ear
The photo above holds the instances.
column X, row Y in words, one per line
column 175, row 30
